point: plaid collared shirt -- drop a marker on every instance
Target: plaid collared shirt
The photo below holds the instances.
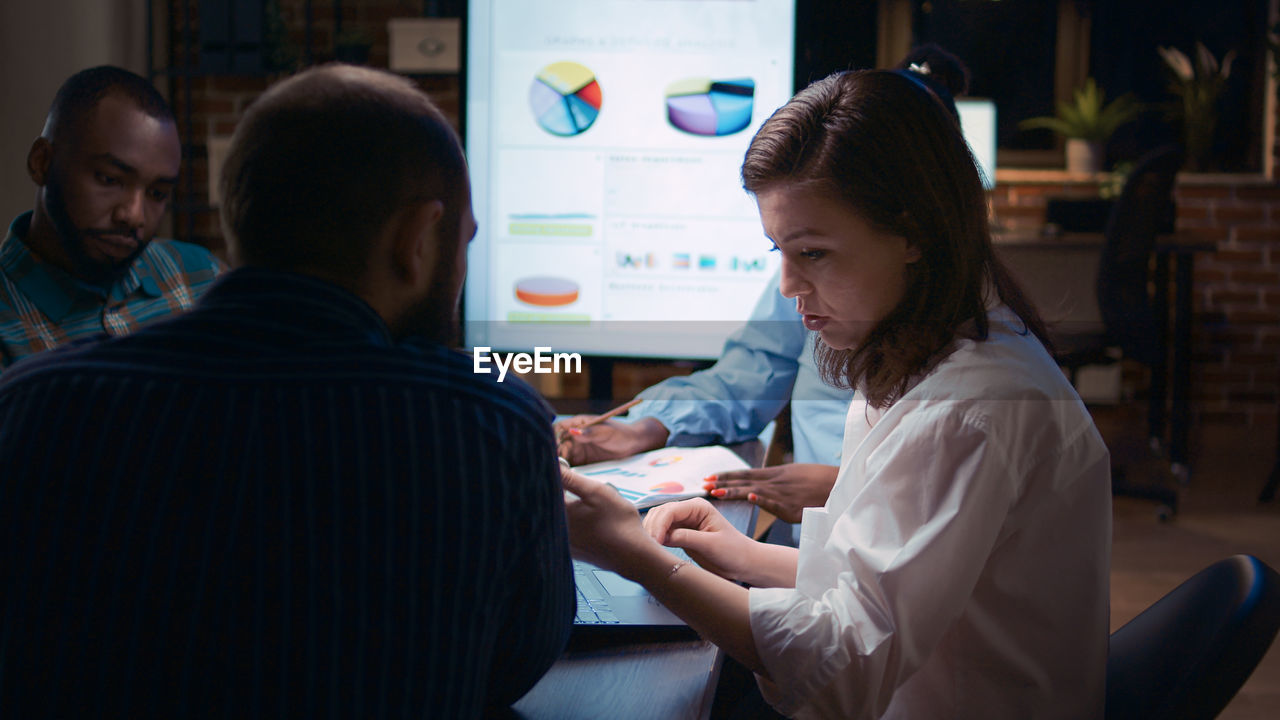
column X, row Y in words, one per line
column 42, row 307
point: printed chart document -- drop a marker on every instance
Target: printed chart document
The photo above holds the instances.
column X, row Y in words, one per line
column 665, row 474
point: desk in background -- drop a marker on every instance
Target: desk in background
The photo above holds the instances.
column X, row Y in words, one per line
column 1060, row 274
column 638, row 680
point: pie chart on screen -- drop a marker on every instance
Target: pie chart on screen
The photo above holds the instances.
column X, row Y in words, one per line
column 546, row 291
column 701, row 106
column 565, row 98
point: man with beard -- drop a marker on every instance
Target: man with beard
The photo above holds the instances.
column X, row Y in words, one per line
column 83, row 262
column 295, row 499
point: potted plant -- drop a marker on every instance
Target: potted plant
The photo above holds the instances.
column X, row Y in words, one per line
column 1087, row 122
column 1197, row 89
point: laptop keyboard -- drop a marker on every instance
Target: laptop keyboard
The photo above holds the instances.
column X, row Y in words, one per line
column 593, row 607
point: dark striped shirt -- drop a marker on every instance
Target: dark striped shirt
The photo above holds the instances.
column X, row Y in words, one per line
column 266, row 507
column 42, row 306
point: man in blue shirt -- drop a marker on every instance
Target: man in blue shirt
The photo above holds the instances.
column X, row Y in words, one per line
column 294, row 500
column 83, row 261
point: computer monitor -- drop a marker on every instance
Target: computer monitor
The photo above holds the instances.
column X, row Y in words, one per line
column 978, row 123
column 605, row 140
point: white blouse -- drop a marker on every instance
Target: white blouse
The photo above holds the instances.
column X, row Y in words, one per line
column 960, row 566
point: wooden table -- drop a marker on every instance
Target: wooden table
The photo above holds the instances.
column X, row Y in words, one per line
column 660, row 680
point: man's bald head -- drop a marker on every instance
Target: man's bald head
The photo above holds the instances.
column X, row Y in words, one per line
column 80, row 94
column 323, row 160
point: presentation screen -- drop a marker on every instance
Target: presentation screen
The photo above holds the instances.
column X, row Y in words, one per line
column 605, row 139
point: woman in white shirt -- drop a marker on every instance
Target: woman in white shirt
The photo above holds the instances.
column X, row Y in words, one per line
column 960, row 566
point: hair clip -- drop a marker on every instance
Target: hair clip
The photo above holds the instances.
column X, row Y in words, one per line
column 921, row 68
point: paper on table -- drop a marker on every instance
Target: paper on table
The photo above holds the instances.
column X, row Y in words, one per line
column 665, row 474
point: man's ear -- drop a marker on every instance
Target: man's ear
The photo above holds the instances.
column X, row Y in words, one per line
column 416, row 242
column 39, row 159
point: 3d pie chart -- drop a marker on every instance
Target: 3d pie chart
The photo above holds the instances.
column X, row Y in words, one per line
column 565, row 98
column 546, row 291
column 701, row 106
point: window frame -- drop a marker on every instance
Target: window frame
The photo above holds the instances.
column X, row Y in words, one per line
column 1071, row 68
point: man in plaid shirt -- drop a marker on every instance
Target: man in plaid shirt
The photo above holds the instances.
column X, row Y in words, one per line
column 83, row 262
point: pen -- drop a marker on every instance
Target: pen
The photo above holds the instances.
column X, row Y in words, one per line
column 613, row 413
column 601, row 418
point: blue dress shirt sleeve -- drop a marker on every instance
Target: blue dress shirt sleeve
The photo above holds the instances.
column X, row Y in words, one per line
column 734, row 400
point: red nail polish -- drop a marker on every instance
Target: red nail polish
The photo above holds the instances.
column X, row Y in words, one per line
column 719, row 492
column 752, row 497
column 575, row 431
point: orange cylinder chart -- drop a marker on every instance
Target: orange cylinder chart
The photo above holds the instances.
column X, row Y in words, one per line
column 565, row 98
column 700, row 106
column 546, row 291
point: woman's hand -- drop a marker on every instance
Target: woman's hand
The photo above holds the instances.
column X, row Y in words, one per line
column 608, row 440
column 604, row 529
column 783, row 490
column 698, row 528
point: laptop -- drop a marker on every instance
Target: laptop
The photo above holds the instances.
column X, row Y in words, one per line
column 611, row 608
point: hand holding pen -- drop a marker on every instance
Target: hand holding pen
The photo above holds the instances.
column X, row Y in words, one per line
column 593, row 438
column 577, row 429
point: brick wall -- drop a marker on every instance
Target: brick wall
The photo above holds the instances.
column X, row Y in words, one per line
column 1236, row 343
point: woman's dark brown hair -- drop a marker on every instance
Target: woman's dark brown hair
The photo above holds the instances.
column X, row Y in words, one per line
column 882, row 142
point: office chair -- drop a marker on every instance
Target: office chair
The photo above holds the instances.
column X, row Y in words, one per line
column 1187, row 655
column 1131, row 327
